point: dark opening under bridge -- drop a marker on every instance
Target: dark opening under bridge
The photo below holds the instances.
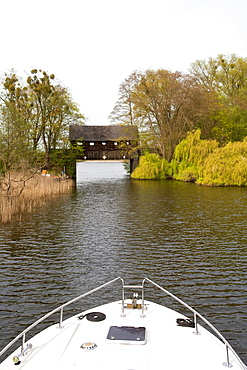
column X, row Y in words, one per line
column 107, row 142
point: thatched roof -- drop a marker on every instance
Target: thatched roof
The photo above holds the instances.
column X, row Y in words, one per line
column 102, row 133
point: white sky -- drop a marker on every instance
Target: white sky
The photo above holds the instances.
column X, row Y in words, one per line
column 93, row 45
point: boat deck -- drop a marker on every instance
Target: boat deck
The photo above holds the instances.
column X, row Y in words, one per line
column 135, row 342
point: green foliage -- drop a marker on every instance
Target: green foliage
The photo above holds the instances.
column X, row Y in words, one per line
column 226, row 74
column 126, row 165
column 190, row 155
column 53, row 109
column 227, row 77
column 14, row 125
column 151, row 166
column 205, row 163
column 231, row 124
column 226, row 166
column 64, row 161
column 34, row 116
column 165, row 105
column 211, row 102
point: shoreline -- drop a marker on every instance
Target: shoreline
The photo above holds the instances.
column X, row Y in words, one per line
column 18, row 198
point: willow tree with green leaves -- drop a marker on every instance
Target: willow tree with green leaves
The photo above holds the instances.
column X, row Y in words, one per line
column 190, row 156
column 227, row 77
column 152, row 167
column 226, row 166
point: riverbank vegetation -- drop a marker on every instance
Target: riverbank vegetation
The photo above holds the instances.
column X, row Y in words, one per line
column 152, row 166
column 204, row 162
column 22, row 193
column 35, row 116
column 197, row 121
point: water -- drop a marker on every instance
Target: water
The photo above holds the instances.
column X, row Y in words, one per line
column 189, row 239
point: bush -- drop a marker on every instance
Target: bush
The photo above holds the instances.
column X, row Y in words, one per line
column 151, row 167
column 190, row 155
column 226, row 166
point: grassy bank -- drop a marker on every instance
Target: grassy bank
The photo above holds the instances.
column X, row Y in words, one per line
column 22, row 194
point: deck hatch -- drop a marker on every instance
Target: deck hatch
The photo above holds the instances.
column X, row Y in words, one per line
column 127, row 335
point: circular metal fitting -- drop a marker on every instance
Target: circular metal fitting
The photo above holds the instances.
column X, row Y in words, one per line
column 88, row 346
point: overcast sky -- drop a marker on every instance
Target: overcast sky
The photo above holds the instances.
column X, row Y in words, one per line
column 93, row 45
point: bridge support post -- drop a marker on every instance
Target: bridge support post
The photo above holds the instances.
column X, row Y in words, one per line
column 134, row 162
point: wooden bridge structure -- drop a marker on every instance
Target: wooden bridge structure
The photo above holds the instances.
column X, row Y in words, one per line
column 107, row 142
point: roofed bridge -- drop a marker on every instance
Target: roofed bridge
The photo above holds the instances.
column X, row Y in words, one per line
column 107, row 142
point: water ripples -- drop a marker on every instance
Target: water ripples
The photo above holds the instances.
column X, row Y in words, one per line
column 189, row 239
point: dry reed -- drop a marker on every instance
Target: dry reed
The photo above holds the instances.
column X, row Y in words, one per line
column 19, row 196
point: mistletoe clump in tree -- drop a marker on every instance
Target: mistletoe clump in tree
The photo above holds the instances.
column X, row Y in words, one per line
column 227, row 77
column 34, row 118
column 53, row 111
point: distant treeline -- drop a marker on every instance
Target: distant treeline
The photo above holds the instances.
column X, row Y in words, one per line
column 165, row 105
column 35, row 116
column 210, row 102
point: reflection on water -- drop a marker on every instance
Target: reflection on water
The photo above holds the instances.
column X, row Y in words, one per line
column 187, row 238
column 100, row 170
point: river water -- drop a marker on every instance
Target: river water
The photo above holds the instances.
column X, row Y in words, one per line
column 187, row 238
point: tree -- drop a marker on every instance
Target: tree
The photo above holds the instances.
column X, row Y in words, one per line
column 227, row 76
column 190, row 155
column 152, row 167
column 14, row 124
column 33, row 117
column 165, row 106
column 123, row 111
column 53, row 112
column 226, row 166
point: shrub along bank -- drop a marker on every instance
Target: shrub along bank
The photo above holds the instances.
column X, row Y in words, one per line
column 201, row 161
column 20, row 194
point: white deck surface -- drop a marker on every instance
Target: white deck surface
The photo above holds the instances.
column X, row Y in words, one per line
column 168, row 346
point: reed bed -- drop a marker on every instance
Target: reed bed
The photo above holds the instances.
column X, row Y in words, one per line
column 20, row 195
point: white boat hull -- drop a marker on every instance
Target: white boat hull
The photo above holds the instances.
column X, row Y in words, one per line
column 124, row 335
column 166, row 346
